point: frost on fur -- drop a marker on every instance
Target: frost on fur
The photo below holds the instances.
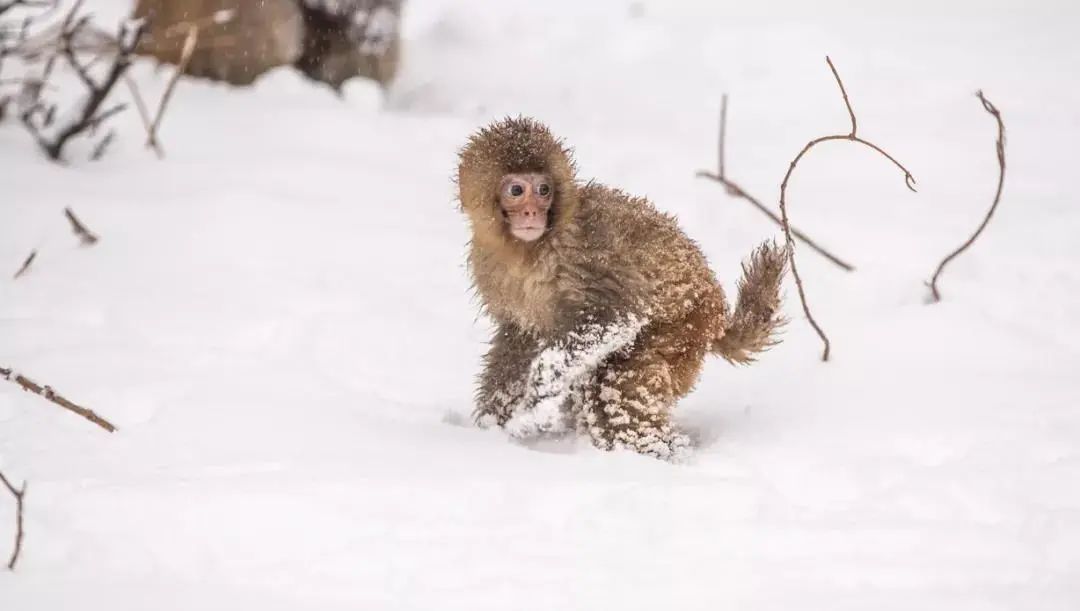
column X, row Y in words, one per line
column 557, row 368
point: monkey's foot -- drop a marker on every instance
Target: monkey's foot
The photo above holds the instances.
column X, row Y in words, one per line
column 660, row 442
column 544, row 418
column 486, row 421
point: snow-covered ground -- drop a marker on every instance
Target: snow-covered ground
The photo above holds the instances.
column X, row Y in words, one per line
column 278, row 320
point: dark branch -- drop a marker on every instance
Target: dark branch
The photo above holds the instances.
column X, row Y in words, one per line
column 65, row 26
column 721, row 165
column 990, row 108
column 909, row 180
column 102, row 146
column 86, row 237
column 20, row 495
column 25, row 267
column 843, row 92
column 735, row 190
column 50, row 395
column 88, row 116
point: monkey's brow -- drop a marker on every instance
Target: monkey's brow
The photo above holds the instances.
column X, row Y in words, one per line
column 530, row 177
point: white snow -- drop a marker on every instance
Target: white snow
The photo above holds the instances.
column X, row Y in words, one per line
column 277, row 319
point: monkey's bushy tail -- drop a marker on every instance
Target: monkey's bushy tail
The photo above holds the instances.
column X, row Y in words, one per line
column 752, row 327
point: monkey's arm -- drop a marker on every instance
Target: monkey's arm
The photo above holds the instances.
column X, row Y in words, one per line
column 558, row 366
column 501, row 386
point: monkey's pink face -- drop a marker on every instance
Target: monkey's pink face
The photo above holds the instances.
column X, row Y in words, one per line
column 525, row 201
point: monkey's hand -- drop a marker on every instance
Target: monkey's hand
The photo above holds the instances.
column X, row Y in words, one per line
column 558, row 366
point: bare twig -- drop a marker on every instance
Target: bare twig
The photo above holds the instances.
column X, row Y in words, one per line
column 990, row 108
column 26, row 81
column 722, row 143
column 10, row 4
column 185, row 57
column 86, row 237
column 144, row 115
column 65, row 26
column 20, row 495
column 25, row 267
column 909, row 180
column 102, row 146
column 11, row 37
column 88, row 116
column 49, row 394
column 735, row 190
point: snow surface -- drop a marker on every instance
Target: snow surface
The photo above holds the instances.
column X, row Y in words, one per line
column 278, row 320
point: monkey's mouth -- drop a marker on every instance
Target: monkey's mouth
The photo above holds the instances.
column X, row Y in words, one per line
column 526, row 230
column 527, row 233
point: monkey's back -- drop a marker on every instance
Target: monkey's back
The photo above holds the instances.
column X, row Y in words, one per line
column 686, row 306
column 633, row 235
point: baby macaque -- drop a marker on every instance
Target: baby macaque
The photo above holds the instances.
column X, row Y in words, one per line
column 605, row 309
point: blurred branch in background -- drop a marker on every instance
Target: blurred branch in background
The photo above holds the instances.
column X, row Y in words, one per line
column 1000, row 148
column 73, row 36
column 190, row 40
column 10, row 4
column 86, row 237
column 735, row 190
column 852, row 136
column 25, row 267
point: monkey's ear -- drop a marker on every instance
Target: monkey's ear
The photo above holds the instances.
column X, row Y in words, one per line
column 476, row 188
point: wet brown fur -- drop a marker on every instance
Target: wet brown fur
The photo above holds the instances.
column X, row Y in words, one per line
column 605, row 254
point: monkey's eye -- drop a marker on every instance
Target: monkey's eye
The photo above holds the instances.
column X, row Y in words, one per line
column 516, row 190
column 544, row 189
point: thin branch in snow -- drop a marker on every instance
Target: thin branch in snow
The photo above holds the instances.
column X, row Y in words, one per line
column 50, row 395
column 86, row 237
column 25, row 267
column 102, row 146
column 735, row 190
column 144, row 115
column 20, row 495
column 852, row 136
column 190, row 41
column 990, row 108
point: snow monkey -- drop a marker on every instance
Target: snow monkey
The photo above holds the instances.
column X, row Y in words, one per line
column 605, row 309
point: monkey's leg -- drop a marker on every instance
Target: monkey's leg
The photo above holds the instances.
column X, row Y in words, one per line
column 629, row 404
column 502, row 384
column 561, row 366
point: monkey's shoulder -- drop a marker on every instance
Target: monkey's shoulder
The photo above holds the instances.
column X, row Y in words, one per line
column 608, row 213
column 646, row 248
column 632, row 228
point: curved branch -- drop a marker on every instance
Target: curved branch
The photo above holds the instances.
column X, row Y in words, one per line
column 990, row 108
column 735, row 190
column 843, row 92
column 909, row 180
